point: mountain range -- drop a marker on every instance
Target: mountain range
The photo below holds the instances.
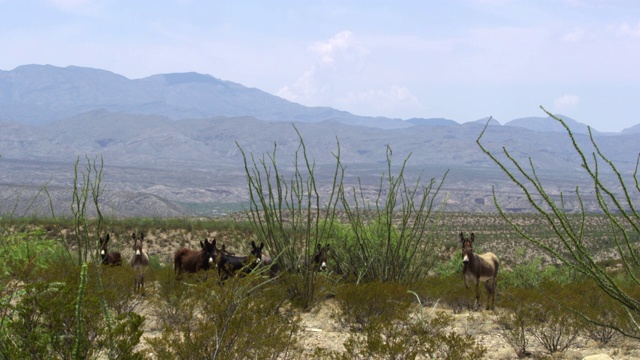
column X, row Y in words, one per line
column 174, row 142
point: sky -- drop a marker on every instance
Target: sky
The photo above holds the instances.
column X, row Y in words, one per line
column 457, row 59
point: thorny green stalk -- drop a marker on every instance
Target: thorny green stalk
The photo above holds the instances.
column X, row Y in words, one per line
column 624, row 221
column 398, row 243
column 79, row 300
column 90, row 189
column 290, row 215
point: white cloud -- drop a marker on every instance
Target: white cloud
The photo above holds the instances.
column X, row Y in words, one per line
column 341, row 54
column 342, row 46
column 303, row 90
column 566, row 103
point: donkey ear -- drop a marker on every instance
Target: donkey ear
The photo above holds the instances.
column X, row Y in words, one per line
column 473, row 237
column 328, row 246
column 318, row 247
column 261, row 246
column 133, row 235
column 253, row 244
column 141, row 236
column 461, row 237
column 202, row 244
column 106, row 240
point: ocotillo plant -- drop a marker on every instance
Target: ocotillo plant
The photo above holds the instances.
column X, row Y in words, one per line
column 568, row 246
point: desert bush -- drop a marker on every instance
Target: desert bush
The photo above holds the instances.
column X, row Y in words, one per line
column 515, row 318
column 535, row 312
column 117, row 289
column 47, row 319
column 175, row 298
column 448, row 291
column 451, row 266
column 362, row 304
column 296, row 286
column 532, row 273
column 555, row 326
column 403, row 336
column 243, row 318
column 600, row 312
column 21, row 253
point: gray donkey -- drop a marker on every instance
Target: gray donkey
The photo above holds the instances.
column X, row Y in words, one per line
column 139, row 262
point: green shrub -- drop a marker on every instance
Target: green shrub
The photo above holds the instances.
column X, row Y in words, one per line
column 117, row 292
column 375, row 302
column 397, row 335
column 21, row 253
column 602, row 317
column 555, row 326
column 448, row 291
column 43, row 321
column 515, row 318
column 174, row 300
column 243, row 318
column 296, row 286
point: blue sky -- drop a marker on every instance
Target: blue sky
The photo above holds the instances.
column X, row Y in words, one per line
column 458, row 59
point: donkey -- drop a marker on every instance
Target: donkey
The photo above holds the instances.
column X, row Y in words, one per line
column 479, row 268
column 194, row 260
column 139, row 262
column 109, row 258
column 229, row 264
column 319, row 258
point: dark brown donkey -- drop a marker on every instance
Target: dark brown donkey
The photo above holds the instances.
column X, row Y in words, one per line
column 109, row 258
column 319, row 258
column 194, row 260
column 139, row 262
column 479, row 268
column 229, row 264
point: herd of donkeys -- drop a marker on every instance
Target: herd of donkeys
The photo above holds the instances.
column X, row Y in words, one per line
column 209, row 256
column 476, row 268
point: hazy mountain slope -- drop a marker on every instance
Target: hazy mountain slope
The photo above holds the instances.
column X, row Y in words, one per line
column 547, row 124
column 38, row 94
column 159, row 142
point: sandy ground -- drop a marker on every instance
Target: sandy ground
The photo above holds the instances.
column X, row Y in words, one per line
column 320, row 329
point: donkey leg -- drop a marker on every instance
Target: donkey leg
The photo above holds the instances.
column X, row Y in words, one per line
column 476, row 306
column 490, row 285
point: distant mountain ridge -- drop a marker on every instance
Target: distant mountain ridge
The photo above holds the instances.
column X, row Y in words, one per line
column 42, row 94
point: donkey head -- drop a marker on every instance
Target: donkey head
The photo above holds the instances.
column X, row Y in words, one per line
column 210, row 251
column 137, row 244
column 256, row 252
column 467, row 247
column 320, row 257
column 103, row 246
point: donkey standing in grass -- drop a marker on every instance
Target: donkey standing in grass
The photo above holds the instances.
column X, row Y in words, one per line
column 479, row 268
column 194, row 260
column 318, row 262
column 139, row 262
column 109, row 258
column 229, row 265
